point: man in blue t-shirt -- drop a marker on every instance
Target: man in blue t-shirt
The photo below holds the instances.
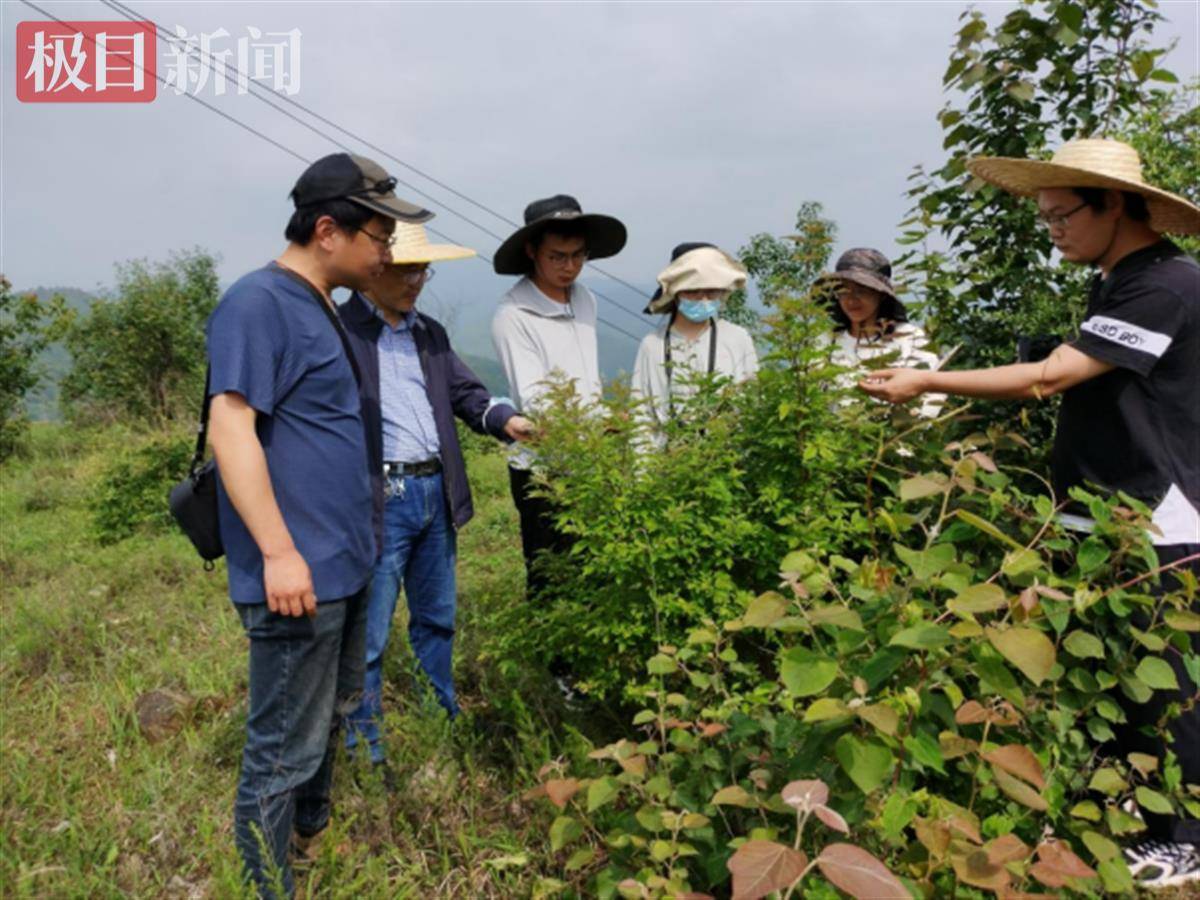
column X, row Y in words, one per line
column 295, row 499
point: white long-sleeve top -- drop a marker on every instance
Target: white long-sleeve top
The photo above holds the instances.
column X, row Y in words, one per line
column 537, row 338
column 909, row 344
column 735, row 358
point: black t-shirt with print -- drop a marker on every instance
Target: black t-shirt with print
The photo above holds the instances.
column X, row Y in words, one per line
column 1137, row 427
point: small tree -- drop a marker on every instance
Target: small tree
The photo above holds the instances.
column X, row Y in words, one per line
column 26, row 326
column 1052, row 70
column 784, row 264
column 141, row 354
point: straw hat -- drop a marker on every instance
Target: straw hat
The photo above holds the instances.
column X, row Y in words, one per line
column 702, row 268
column 1091, row 162
column 410, row 244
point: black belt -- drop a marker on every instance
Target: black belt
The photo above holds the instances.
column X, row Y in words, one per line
column 416, row 469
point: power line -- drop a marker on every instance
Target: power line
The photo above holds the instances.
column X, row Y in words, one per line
column 277, row 144
column 225, row 69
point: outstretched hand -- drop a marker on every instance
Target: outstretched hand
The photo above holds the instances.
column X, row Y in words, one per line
column 895, row 385
column 519, row 428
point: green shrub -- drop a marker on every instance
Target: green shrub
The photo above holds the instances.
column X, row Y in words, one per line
column 947, row 700
column 664, row 539
column 130, row 494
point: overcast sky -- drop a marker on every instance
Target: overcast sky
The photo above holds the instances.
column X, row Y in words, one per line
column 688, row 121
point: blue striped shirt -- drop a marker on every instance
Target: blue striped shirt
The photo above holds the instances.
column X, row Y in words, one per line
column 409, row 430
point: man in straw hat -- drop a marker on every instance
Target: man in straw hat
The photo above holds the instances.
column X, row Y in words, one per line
column 1130, row 414
column 413, row 386
column 295, row 499
column 545, row 326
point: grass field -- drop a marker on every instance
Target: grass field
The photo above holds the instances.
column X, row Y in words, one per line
column 97, row 802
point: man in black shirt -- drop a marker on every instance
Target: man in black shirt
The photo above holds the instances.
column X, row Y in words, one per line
column 1130, row 414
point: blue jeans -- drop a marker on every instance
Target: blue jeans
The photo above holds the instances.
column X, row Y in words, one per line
column 419, row 553
column 305, row 676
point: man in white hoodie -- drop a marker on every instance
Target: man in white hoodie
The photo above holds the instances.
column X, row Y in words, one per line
column 545, row 327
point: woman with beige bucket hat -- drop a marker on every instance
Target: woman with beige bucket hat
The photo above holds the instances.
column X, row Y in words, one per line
column 1130, row 414
column 692, row 342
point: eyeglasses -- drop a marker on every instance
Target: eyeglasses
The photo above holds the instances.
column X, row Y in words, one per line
column 381, row 241
column 415, row 276
column 557, row 258
column 1060, row 220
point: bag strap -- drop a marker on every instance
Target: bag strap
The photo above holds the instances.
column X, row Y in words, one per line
column 330, row 315
column 669, row 365
column 202, row 428
column 206, row 404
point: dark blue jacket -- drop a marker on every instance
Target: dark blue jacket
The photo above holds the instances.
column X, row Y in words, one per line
column 453, row 390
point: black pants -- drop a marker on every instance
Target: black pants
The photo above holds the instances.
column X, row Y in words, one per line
column 1185, row 729
column 538, row 532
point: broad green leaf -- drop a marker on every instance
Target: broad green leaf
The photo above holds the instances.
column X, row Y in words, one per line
column 805, row 673
column 661, row 664
column 1153, row 801
column 649, row 818
column 1107, row 781
column 1120, row 822
column 987, row 528
column 1157, row 674
column 1082, row 645
column 867, row 762
column 978, row 598
column 927, row 563
column 733, row 795
column 926, row 750
column 826, row 708
column 925, row 636
column 563, row 831
column 835, row 614
column 1134, row 688
column 1021, row 90
column 580, row 858
column 1182, row 619
column 1026, row 648
column 798, row 563
column 1092, row 554
column 764, row 610
column 923, row 486
column 602, row 791
column 1115, row 875
column 1021, row 562
column 882, row 716
column 1086, row 810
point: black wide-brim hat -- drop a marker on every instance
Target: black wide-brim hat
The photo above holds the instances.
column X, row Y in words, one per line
column 605, row 236
column 871, row 269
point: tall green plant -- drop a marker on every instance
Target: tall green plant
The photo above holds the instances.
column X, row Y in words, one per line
column 1051, row 70
column 140, row 355
column 26, row 329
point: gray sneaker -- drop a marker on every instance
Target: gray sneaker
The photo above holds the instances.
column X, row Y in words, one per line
column 1161, row 864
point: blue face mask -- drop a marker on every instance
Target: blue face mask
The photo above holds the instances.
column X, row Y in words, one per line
column 699, row 310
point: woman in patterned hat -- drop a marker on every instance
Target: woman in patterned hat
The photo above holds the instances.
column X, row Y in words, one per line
column 870, row 322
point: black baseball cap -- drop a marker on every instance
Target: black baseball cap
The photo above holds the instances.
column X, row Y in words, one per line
column 345, row 176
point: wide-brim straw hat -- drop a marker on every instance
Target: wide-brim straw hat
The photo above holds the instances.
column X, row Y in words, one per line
column 604, row 235
column 410, row 244
column 704, row 268
column 1095, row 163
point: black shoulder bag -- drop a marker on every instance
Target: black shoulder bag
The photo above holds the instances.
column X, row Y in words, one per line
column 193, row 501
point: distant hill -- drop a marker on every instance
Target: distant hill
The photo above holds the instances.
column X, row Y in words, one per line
column 42, row 402
column 489, row 372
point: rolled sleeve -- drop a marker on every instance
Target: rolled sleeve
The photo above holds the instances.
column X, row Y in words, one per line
column 1134, row 332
